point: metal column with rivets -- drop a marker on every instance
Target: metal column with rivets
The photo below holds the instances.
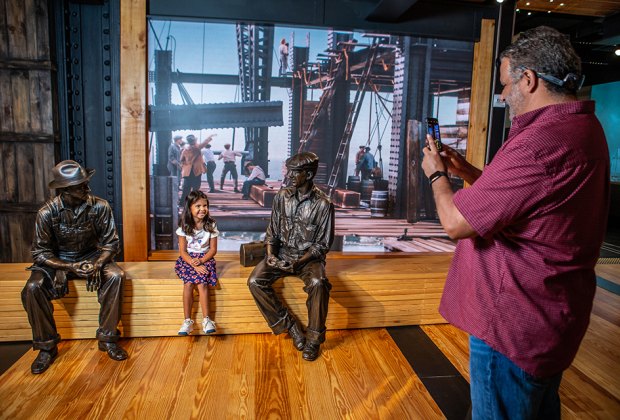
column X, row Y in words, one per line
column 87, row 41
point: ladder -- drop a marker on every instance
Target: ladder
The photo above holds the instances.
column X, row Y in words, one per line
column 318, row 109
column 353, row 114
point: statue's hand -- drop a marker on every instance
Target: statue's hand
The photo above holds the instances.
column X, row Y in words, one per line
column 93, row 282
column 61, row 285
column 273, row 261
column 82, row 269
column 287, row 266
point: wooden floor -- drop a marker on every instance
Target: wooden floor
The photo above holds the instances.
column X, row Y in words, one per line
column 361, row 375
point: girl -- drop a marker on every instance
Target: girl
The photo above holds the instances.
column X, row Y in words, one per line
column 196, row 267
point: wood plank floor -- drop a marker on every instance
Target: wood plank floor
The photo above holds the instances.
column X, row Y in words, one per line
column 361, row 374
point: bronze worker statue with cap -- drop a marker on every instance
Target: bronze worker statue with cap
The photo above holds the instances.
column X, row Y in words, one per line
column 298, row 238
column 75, row 237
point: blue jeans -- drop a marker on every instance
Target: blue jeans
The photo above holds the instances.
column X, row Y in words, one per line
column 502, row 390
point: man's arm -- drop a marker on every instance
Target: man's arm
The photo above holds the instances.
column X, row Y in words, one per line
column 207, row 141
column 171, row 155
column 453, row 222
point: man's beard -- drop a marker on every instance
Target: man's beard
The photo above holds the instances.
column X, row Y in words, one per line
column 515, row 103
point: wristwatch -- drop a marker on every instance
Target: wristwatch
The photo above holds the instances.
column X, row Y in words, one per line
column 435, row 176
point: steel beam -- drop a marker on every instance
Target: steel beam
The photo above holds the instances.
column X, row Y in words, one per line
column 205, row 116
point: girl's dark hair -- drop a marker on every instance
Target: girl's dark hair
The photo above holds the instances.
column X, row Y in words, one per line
column 186, row 221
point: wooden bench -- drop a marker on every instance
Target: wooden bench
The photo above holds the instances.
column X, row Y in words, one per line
column 368, row 291
column 263, row 195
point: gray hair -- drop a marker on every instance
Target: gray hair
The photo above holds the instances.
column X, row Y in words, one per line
column 550, row 54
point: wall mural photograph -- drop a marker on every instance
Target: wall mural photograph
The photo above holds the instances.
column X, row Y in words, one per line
column 248, row 96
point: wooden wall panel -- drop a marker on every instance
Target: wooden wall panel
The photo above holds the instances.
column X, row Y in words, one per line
column 481, row 95
column 27, row 132
column 4, row 34
column 6, row 101
column 133, row 130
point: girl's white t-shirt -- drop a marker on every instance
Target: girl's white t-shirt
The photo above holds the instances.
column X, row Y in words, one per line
column 199, row 241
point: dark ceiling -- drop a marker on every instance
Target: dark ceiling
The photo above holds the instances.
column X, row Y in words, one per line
column 594, row 26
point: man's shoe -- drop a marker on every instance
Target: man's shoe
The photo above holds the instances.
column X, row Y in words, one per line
column 245, row 197
column 115, row 352
column 311, row 351
column 237, row 190
column 299, row 339
column 43, row 361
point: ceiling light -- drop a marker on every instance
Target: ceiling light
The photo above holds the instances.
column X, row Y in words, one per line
column 527, row 4
column 500, row 1
column 529, row 13
column 561, row 4
column 617, row 52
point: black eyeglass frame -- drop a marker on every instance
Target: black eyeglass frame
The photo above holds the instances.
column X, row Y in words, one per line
column 569, row 78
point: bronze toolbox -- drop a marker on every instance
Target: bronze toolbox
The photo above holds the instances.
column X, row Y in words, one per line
column 251, row 253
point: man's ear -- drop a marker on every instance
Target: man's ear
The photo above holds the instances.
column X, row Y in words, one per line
column 310, row 174
column 532, row 81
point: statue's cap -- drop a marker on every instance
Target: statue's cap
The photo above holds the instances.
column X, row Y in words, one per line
column 303, row 160
column 68, row 173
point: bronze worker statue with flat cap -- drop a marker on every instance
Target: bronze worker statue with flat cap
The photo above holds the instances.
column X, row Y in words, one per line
column 298, row 237
column 75, row 237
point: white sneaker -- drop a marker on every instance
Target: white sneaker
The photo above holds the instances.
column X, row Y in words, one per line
column 208, row 326
column 187, row 327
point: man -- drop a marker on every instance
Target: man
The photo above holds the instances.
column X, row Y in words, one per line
column 209, row 157
column 174, row 158
column 192, row 165
column 367, row 163
column 358, row 158
column 256, row 177
column 522, row 279
column 283, row 57
column 298, row 237
column 229, row 165
column 75, row 237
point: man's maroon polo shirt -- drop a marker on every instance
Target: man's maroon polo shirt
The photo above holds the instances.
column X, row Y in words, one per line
column 526, row 284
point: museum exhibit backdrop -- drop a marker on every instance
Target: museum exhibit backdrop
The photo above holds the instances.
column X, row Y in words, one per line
column 334, row 92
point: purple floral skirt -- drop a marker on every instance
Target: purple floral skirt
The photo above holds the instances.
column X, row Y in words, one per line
column 187, row 273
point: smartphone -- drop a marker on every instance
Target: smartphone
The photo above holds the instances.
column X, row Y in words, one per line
column 432, row 128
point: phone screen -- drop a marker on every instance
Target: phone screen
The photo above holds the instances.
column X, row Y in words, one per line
column 433, row 129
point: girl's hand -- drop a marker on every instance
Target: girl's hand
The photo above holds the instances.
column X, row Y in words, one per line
column 196, row 262
column 201, row 269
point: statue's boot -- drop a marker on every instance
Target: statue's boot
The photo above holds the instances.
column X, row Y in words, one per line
column 43, row 361
column 115, row 352
column 297, row 334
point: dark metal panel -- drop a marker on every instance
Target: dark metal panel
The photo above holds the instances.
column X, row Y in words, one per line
column 88, row 60
column 504, row 29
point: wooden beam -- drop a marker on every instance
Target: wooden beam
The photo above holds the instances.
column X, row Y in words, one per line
column 133, row 130
column 481, row 95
